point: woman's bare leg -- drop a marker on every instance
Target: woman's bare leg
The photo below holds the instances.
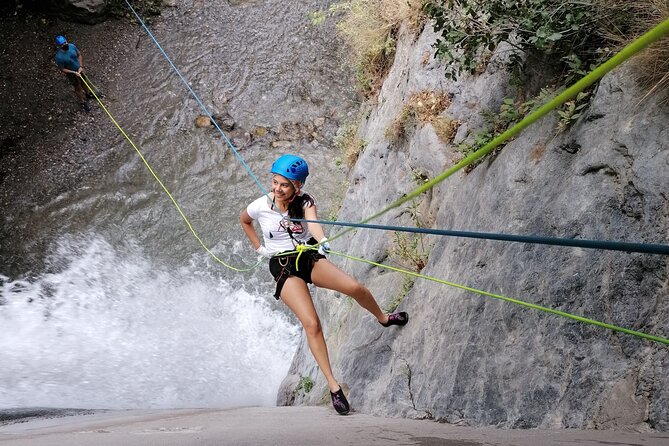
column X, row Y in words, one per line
column 296, row 296
column 326, row 275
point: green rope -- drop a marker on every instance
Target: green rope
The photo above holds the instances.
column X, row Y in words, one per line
column 162, row 185
column 582, row 319
column 630, row 50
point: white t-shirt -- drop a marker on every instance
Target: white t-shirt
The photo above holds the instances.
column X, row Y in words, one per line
column 274, row 226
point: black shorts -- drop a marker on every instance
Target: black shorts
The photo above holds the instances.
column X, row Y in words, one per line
column 283, row 267
column 74, row 80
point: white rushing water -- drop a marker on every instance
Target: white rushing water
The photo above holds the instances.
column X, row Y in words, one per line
column 108, row 329
column 127, row 310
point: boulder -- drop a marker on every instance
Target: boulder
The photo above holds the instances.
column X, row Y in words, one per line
column 203, row 121
column 84, row 11
column 224, row 121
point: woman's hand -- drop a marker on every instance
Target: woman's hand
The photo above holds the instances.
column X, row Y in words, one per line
column 247, row 225
column 324, row 246
column 264, row 252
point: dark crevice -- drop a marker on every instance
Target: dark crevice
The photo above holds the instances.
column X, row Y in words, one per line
column 571, row 147
column 408, row 374
column 600, row 168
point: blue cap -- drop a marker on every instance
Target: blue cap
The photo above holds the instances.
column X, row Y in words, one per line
column 292, row 167
column 60, row 40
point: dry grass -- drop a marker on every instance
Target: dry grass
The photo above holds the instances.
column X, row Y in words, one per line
column 445, row 128
column 349, row 143
column 427, row 105
column 403, row 11
column 651, row 65
column 398, row 129
column 421, row 108
column 408, row 251
column 369, row 27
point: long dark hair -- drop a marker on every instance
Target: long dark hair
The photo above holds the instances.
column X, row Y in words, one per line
column 296, row 207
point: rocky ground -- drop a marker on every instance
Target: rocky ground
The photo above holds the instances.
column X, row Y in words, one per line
column 47, row 144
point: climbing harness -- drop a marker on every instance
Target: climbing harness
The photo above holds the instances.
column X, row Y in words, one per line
column 283, row 266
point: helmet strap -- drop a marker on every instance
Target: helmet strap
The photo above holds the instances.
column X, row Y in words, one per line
column 296, row 186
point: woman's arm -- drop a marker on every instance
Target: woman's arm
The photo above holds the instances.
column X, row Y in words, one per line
column 247, row 225
column 315, row 229
column 81, row 61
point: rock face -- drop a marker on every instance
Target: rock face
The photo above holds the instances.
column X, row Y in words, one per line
column 471, row 359
column 90, row 11
column 86, row 11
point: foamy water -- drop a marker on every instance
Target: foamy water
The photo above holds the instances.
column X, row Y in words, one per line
column 109, row 329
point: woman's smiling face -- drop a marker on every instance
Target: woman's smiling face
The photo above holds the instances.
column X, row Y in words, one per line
column 282, row 188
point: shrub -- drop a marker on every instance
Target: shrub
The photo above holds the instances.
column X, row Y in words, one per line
column 423, row 107
column 349, row 143
column 494, row 124
column 410, row 249
column 572, row 33
column 419, row 178
column 305, row 385
column 572, row 110
column 512, row 112
column 369, row 27
column 445, row 128
column 407, row 285
column 651, row 65
column 398, row 129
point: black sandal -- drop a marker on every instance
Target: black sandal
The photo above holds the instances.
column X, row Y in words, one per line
column 400, row 319
column 340, row 402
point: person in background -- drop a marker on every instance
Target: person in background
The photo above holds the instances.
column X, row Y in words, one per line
column 71, row 62
column 292, row 273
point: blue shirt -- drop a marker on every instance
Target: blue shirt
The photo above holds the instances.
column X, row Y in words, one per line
column 68, row 59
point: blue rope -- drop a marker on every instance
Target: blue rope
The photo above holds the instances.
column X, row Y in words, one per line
column 646, row 248
column 228, row 142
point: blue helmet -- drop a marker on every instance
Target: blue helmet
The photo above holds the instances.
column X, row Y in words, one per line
column 292, row 167
column 60, row 40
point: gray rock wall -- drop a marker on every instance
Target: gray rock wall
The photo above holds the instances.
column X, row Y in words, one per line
column 86, row 11
column 89, row 11
column 471, row 359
